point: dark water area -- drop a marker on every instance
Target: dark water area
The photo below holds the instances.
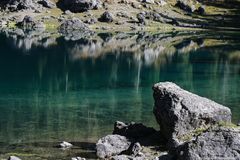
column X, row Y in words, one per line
column 53, row 89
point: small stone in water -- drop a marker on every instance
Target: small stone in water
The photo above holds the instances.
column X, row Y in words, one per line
column 78, row 158
column 65, row 145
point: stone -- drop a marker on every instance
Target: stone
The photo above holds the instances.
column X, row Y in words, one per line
column 18, row 5
column 106, row 17
column 162, row 2
column 73, row 24
column 111, row 145
column 136, row 149
column 65, row 145
column 179, row 112
column 200, row 10
column 67, row 12
column 28, row 23
column 141, row 18
column 3, row 23
column 185, row 5
column 121, row 157
column 81, row 5
column 47, row 3
column 217, row 143
column 13, row 158
column 148, row 1
column 91, row 21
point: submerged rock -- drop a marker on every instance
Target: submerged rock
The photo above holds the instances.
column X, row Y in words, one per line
column 180, row 112
column 65, row 145
column 217, row 143
column 13, row 158
column 111, row 145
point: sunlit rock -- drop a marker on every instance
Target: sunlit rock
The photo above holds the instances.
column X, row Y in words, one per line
column 180, row 112
column 111, row 145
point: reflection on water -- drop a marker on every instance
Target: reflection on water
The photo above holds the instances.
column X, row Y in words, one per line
column 53, row 89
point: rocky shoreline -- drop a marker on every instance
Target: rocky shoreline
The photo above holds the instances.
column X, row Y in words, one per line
column 191, row 128
column 123, row 15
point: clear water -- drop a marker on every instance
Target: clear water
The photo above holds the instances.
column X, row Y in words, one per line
column 75, row 91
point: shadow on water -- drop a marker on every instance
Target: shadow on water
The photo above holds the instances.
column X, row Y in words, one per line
column 54, row 89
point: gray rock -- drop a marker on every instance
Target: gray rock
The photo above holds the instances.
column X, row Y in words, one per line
column 217, row 143
column 141, row 18
column 148, row 1
column 111, row 145
column 28, row 23
column 18, row 5
column 136, row 149
column 186, row 6
column 81, row 5
column 3, row 23
column 67, row 12
column 180, row 112
column 121, row 157
column 90, row 21
column 106, row 17
column 14, row 5
column 73, row 24
column 47, row 3
column 13, row 158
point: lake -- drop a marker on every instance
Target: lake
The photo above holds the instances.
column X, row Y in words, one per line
column 53, row 88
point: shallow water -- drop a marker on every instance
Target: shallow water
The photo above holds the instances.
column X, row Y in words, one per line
column 52, row 89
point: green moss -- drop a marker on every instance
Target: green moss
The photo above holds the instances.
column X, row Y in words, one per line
column 12, row 25
column 227, row 124
column 21, row 154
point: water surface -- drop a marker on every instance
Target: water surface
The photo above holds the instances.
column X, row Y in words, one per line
column 52, row 89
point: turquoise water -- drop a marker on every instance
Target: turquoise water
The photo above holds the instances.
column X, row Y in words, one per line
column 75, row 91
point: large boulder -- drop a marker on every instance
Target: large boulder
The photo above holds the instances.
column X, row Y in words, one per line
column 217, row 143
column 34, row 5
column 73, row 24
column 180, row 112
column 28, row 23
column 75, row 29
column 80, row 5
column 111, row 145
